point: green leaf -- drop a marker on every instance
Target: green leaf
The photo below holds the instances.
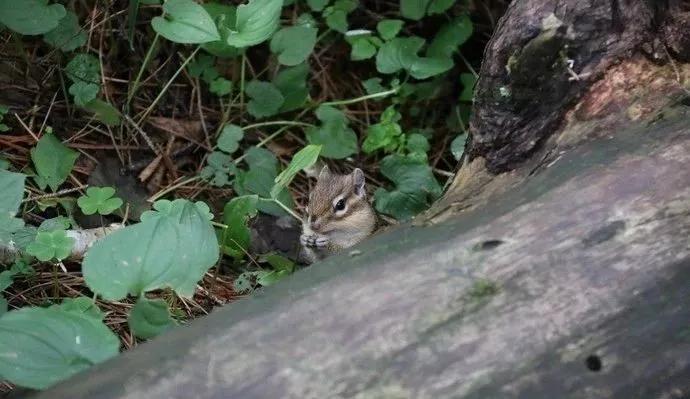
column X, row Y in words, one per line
column 373, row 86
column 468, row 81
column 336, row 15
column 81, row 306
column 221, row 87
column 41, row 346
column 318, row 5
column 99, row 199
column 417, row 144
column 266, row 99
column 236, row 214
column 83, row 92
column 457, row 146
column 413, row 9
column 149, row 317
column 362, row 48
column 104, row 112
column 185, row 21
column 220, row 167
column 293, row 44
column 439, row 6
column 30, row 17
column 303, row 159
column 415, row 187
column 255, row 23
column 263, row 168
column 56, row 223
column 401, row 53
column 6, row 279
column 3, row 305
column 9, row 227
column 387, row 134
column 292, row 83
column 11, row 191
column 267, row 278
column 200, row 65
column 224, row 16
column 389, row 28
column 173, row 246
column 280, row 263
column 68, row 35
column 53, row 161
column 337, row 140
column 450, row 37
column 50, row 245
column 230, row 137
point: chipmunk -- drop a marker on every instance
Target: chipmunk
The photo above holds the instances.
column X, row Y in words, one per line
column 339, row 214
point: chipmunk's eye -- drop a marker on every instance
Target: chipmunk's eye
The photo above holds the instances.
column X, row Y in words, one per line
column 340, row 205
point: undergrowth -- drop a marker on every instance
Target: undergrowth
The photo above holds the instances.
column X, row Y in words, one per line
column 166, row 128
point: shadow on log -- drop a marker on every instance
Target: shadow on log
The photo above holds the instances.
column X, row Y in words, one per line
column 564, row 276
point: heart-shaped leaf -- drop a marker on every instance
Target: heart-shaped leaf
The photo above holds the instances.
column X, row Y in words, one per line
column 185, row 21
column 230, row 137
column 293, row 44
column 68, row 35
column 256, row 21
column 53, row 161
column 236, row 237
column 266, row 99
column 149, row 317
column 334, row 135
column 30, row 17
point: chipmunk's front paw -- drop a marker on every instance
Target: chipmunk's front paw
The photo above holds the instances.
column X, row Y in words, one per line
column 314, row 240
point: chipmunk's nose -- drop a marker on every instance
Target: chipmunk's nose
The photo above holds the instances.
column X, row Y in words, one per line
column 316, row 224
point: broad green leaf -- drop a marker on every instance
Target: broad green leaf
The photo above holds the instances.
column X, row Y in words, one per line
column 220, row 87
column 56, row 223
column 292, row 83
column 303, row 159
column 457, row 146
column 387, row 134
column 41, row 346
column 3, row 305
column 149, row 317
column 439, row 6
column 468, row 81
column 6, row 279
column 401, row 53
column 389, row 28
column 173, row 246
column 373, row 86
column 362, row 48
column 185, row 21
column 293, row 44
column 99, row 200
column 413, row 9
column 237, row 212
column 81, row 306
column 450, row 37
column 53, row 161
column 266, row 99
column 83, row 92
column 263, row 168
column 200, row 65
column 68, row 35
column 219, row 168
column 317, row 5
column 50, row 245
column 11, row 191
column 256, row 21
column 9, row 227
column 417, row 144
column 415, row 187
column 224, row 16
column 104, row 112
column 336, row 15
column 30, row 17
column 230, row 137
column 337, row 140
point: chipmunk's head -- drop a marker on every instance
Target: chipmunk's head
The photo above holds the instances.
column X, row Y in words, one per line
column 338, row 207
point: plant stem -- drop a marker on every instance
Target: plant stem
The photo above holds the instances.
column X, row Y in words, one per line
column 167, row 86
column 173, row 187
column 286, row 209
column 242, row 72
column 135, row 86
column 362, row 98
column 274, row 123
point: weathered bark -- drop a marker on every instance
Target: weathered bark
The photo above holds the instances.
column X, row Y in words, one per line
column 566, row 276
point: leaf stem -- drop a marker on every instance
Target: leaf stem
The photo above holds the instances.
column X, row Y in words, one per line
column 362, row 98
column 135, row 86
column 167, row 85
column 274, row 123
column 286, row 209
column 242, row 73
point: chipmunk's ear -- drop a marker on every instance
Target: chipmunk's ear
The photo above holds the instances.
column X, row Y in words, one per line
column 325, row 172
column 358, row 180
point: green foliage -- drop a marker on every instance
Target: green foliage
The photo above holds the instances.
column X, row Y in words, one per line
column 230, row 137
column 68, row 35
column 219, row 167
column 401, row 54
column 468, row 81
column 82, row 306
column 85, row 73
column 389, row 28
column 266, row 99
column 11, row 192
column 292, row 83
column 149, row 317
column 41, row 346
column 99, row 199
column 50, row 245
column 255, row 22
column 30, row 17
column 415, row 187
column 364, row 46
column 417, row 9
column 53, row 161
column 457, row 146
column 173, row 246
column 235, row 239
column 303, row 159
column 386, row 135
column 3, row 128
column 184, row 21
column 336, row 15
column 293, row 44
column 334, row 135
column 104, row 112
column 224, row 16
column 450, row 37
column 259, row 180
